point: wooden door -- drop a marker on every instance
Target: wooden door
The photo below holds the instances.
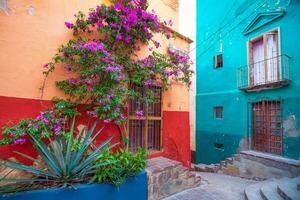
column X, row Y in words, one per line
column 267, row 127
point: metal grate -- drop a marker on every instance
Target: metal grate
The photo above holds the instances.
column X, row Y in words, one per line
column 270, row 71
column 145, row 132
column 267, row 127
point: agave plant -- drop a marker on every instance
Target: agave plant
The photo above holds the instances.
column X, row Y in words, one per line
column 64, row 164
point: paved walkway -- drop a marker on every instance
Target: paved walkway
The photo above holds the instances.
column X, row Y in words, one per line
column 215, row 187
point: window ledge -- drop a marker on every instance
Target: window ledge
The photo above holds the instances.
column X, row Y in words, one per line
column 266, row 86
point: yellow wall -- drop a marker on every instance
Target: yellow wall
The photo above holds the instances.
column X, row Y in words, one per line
column 34, row 29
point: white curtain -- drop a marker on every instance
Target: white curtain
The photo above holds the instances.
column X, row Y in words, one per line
column 258, row 66
column 272, row 59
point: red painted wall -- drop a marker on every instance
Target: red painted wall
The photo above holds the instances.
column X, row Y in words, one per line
column 176, row 138
column 176, row 134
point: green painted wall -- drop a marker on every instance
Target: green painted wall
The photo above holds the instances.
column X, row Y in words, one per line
column 226, row 20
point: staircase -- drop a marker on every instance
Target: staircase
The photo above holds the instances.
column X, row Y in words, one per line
column 167, row 177
column 254, row 165
column 274, row 189
column 229, row 166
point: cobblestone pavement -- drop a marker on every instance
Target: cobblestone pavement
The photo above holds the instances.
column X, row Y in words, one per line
column 215, row 187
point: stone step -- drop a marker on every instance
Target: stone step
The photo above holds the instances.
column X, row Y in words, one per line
column 237, row 157
column 252, row 192
column 297, row 181
column 269, row 191
column 223, row 163
column 287, row 189
column 207, row 168
column 183, row 172
column 200, row 168
column 229, row 160
column 167, row 177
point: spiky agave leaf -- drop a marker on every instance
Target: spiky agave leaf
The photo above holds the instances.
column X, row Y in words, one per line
column 64, row 164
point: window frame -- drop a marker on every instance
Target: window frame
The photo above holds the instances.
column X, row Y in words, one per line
column 215, row 59
column 147, row 118
column 215, row 110
column 249, row 45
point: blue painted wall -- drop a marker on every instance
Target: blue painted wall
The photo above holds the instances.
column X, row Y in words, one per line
column 226, row 20
column 135, row 188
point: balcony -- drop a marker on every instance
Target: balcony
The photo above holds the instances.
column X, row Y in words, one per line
column 266, row 74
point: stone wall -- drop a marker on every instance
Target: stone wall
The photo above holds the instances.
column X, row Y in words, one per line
column 167, row 177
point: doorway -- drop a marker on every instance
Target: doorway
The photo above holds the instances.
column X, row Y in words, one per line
column 267, row 127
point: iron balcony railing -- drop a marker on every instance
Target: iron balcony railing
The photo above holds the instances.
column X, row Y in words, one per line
column 268, row 73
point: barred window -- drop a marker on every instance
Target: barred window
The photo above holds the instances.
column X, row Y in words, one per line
column 145, row 132
column 218, row 112
column 218, row 61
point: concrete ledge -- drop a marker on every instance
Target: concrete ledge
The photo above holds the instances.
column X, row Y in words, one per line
column 271, row 157
column 260, row 165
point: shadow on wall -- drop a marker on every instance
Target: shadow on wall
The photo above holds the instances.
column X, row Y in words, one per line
column 171, row 149
column 4, row 7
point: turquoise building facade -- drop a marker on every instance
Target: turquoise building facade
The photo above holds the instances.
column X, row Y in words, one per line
column 248, row 78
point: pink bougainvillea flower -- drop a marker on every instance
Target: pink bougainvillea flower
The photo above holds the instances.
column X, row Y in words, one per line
column 20, row 141
column 157, row 44
column 68, row 67
column 139, row 114
column 46, row 65
column 69, row 25
column 106, row 121
column 92, row 114
column 149, row 82
column 119, row 36
column 120, row 78
column 128, row 39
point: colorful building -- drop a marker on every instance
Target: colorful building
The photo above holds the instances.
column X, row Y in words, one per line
column 248, row 78
column 30, row 33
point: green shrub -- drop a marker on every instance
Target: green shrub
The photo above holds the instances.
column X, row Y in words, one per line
column 124, row 164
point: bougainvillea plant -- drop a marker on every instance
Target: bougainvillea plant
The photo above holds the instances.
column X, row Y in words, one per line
column 102, row 62
column 48, row 123
column 101, row 59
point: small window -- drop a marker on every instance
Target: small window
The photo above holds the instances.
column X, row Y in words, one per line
column 218, row 61
column 218, row 112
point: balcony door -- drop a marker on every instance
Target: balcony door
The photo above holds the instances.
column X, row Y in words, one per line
column 258, row 66
column 272, row 57
column 264, row 59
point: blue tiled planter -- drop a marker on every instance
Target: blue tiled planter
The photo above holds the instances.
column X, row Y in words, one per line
column 133, row 189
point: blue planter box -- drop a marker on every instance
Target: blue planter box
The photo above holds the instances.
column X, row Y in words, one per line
column 134, row 188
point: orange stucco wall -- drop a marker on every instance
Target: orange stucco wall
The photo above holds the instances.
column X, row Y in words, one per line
column 34, row 29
